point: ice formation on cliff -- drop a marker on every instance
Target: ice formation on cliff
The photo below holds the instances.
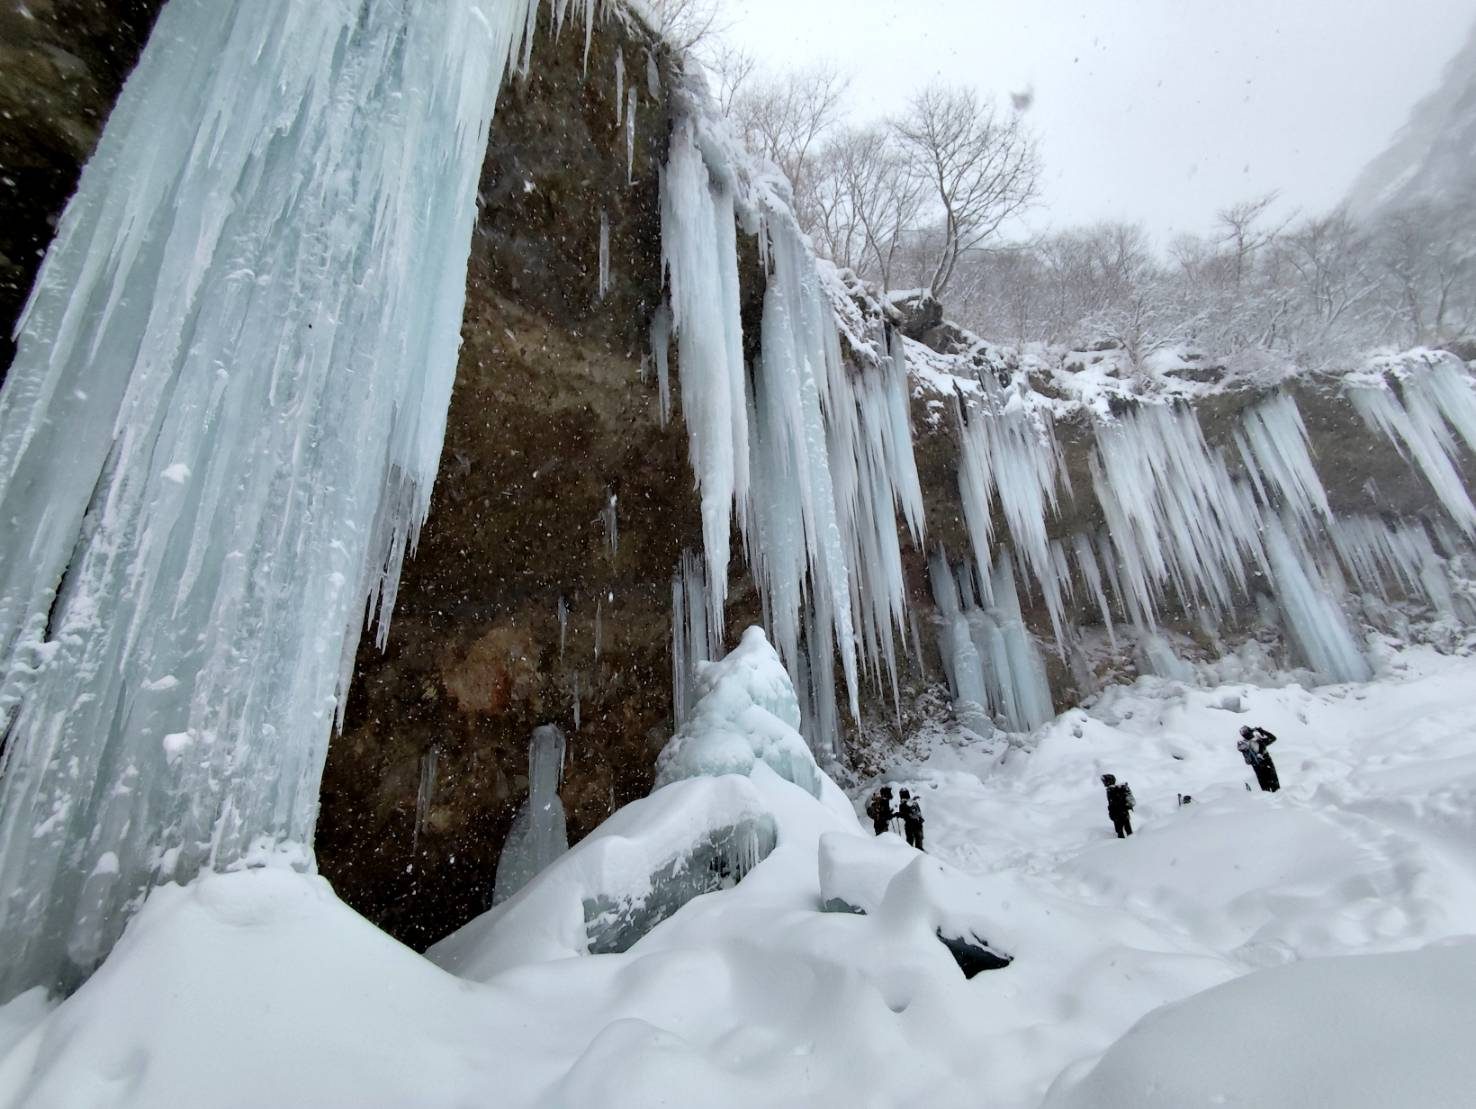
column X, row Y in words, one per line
column 242, row 345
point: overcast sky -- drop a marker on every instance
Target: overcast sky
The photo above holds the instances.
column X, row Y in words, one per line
column 1153, row 110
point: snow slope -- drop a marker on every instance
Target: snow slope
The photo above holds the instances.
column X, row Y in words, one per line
column 259, row 987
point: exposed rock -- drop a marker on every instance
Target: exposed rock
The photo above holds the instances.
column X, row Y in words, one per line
column 1463, row 348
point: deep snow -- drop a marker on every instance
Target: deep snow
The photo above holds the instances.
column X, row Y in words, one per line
column 260, row 987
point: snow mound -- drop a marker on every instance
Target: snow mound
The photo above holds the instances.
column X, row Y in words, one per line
column 634, row 871
column 1358, row 1031
column 746, row 713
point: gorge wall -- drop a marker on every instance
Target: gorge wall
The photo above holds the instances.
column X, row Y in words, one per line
column 560, row 491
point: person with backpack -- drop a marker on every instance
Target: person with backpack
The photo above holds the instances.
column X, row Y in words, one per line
column 1252, row 747
column 879, row 808
column 912, row 820
column 1119, row 805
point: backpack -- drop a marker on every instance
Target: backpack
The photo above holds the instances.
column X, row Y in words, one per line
column 1121, row 794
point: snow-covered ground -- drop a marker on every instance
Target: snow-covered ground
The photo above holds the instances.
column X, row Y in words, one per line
column 1313, row 947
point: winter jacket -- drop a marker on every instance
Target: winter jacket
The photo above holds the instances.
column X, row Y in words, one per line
column 911, row 813
column 1119, row 800
column 1253, row 748
column 879, row 809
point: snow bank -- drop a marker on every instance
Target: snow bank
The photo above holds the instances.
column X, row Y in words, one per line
column 1360, row 1033
column 259, row 987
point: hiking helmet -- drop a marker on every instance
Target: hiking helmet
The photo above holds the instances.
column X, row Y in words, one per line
column 1109, row 779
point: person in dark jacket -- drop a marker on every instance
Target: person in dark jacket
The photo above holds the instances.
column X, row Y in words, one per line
column 879, row 808
column 1252, row 746
column 912, row 819
column 1119, row 805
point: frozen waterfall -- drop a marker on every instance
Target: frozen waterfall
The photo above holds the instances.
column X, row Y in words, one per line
column 219, row 436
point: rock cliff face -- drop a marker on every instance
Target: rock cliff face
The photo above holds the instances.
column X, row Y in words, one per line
column 559, row 489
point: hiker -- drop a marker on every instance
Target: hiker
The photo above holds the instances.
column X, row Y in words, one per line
column 1252, row 747
column 1119, row 805
column 879, row 808
column 912, row 820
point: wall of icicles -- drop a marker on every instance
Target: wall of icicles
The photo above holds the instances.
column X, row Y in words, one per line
column 1191, row 535
column 809, row 450
column 812, row 453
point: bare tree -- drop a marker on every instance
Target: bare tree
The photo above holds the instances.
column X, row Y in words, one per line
column 686, row 24
column 731, row 69
column 867, row 197
column 1426, row 252
column 786, row 119
column 980, row 168
column 1243, row 232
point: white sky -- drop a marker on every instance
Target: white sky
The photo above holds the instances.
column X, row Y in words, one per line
column 1153, row 110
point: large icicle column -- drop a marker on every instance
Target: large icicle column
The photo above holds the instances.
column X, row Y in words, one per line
column 219, row 437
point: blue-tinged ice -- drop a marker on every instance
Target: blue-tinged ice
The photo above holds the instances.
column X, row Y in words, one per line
column 219, row 436
column 539, row 833
column 745, row 713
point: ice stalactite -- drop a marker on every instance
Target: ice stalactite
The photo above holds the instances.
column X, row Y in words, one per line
column 1186, row 534
column 539, row 834
column 1379, row 555
column 1008, row 450
column 993, row 665
column 816, row 456
column 694, row 638
column 425, row 795
column 661, row 354
column 219, row 436
column 961, row 663
column 610, row 521
column 1014, row 673
column 632, row 101
column 1177, row 520
column 563, row 616
column 1274, row 448
column 1437, row 406
column 796, row 534
column 699, row 247
column 619, row 88
column 604, row 262
column 1311, row 609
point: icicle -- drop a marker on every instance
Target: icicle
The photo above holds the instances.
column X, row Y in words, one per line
column 563, row 611
column 694, row 639
column 1437, row 398
column 619, row 87
column 599, row 629
column 1313, row 615
column 610, row 520
column 1273, row 444
column 218, row 440
column 630, row 136
column 576, row 700
column 539, row 832
column 699, row 246
column 1174, row 515
column 653, row 77
column 604, row 255
column 661, row 352
column 1009, row 450
column 425, row 796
